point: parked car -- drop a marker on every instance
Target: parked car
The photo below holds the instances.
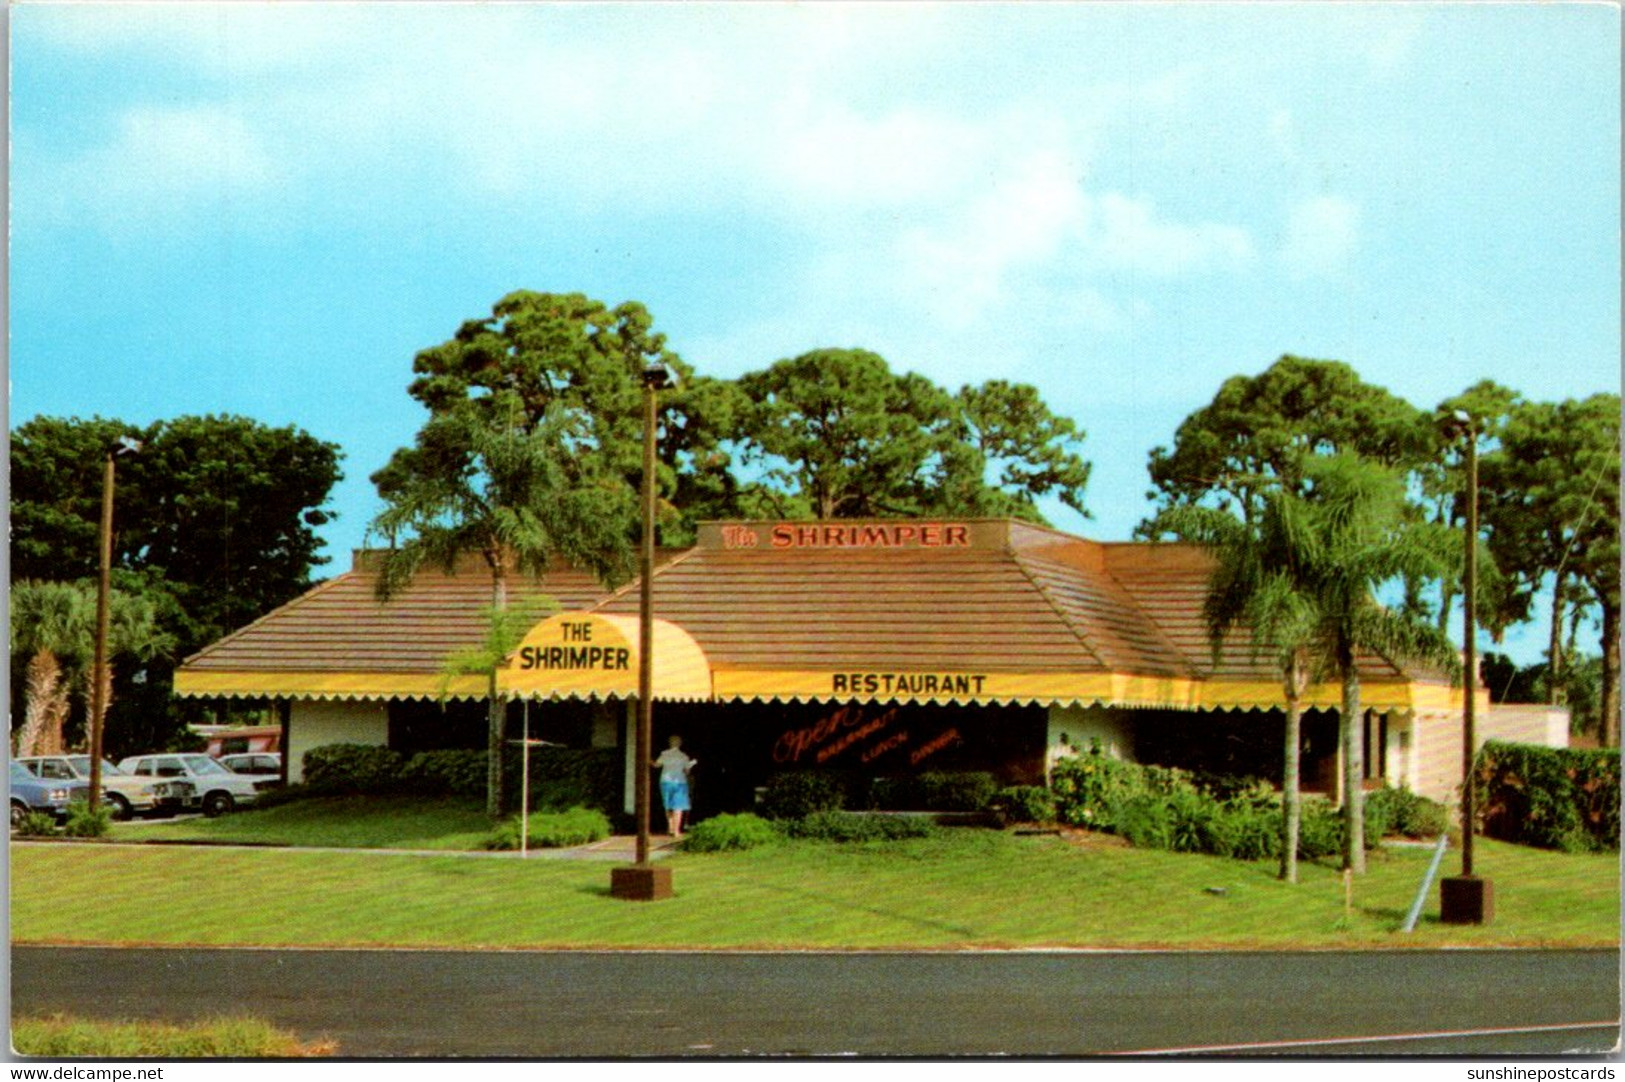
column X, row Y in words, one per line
column 218, row 789
column 125, row 794
column 254, row 762
column 31, row 794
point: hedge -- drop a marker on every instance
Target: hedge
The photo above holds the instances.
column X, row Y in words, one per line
column 553, row 830
column 1554, row 798
column 560, row 778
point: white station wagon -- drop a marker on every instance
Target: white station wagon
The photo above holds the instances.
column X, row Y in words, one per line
column 218, row 790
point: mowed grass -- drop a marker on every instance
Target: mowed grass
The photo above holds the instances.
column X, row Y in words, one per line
column 353, row 822
column 965, row 888
column 63, row 1036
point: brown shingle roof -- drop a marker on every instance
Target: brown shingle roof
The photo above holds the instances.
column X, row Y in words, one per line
column 340, row 625
column 1009, row 598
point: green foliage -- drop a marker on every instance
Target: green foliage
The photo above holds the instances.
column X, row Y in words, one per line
column 844, row 826
column 1555, row 798
column 1550, row 500
column 800, row 793
column 216, row 525
column 1408, row 814
column 564, row 777
column 84, row 823
column 1259, row 432
column 836, row 434
column 554, row 830
column 1089, row 787
column 37, row 824
column 452, row 772
column 1320, row 831
column 731, row 832
column 1027, row 803
column 947, row 791
column 352, row 768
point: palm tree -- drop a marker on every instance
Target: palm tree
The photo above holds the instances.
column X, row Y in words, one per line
column 1356, row 537
column 1303, row 577
column 51, row 624
column 1256, row 584
column 54, row 624
column 512, row 495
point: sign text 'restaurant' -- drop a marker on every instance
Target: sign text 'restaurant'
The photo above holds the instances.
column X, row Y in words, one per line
column 902, row 683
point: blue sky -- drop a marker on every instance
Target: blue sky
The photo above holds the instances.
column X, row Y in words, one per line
column 267, row 210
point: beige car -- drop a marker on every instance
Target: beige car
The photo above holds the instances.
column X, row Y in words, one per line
column 126, row 794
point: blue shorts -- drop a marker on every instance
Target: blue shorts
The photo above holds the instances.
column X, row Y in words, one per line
column 674, row 795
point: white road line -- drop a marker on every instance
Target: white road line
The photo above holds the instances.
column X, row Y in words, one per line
column 1320, row 1042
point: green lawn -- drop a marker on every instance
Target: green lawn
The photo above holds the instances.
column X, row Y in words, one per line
column 61, row 1037
column 965, row 888
column 370, row 822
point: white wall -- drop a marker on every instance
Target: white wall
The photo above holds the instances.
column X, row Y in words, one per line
column 312, row 724
column 1075, row 728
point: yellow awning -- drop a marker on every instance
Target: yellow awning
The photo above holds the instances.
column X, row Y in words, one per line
column 593, row 656
column 937, row 686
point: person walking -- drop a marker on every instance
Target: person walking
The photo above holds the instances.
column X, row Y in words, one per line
column 674, row 768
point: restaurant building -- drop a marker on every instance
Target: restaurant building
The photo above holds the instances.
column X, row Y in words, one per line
column 882, row 647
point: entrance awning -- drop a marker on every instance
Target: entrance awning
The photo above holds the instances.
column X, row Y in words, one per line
column 585, row 655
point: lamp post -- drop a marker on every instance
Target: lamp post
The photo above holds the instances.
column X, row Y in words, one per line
column 1467, row 899
column 98, row 668
column 643, row 881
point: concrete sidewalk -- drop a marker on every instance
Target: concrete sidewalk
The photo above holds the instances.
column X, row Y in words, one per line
column 618, row 848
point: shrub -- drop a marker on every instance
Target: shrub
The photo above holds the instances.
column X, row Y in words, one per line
column 1028, row 803
column 1555, row 798
column 844, row 826
column 84, row 823
column 968, row 791
column 352, row 768
column 1254, row 829
column 724, row 832
column 37, row 824
column 1088, row 787
column 1409, row 814
column 801, row 793
column 554, row 830
column 452, row 772
column 282, row 794
column 1320, row 831
column 563, row 778
column 1143, row 821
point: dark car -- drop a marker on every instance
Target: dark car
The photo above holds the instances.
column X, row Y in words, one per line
column 31, row 794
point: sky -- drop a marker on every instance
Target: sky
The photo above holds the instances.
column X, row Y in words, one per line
column 267, row 210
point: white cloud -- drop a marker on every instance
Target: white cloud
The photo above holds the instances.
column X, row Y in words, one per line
column 158, row 166
column 1321, row 236
column 1132, row 235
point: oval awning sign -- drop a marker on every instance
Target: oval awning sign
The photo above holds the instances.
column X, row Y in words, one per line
column 594, row 656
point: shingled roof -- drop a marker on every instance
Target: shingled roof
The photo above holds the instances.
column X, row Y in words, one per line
column 341, row 629
column 765, row 600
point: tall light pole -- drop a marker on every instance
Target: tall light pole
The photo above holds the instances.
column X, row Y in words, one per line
column 98, row 669
column 1467, row 899
column 643, row 881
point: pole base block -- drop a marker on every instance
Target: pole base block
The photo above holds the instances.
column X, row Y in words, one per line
column 1466, row 899
column 640, row 883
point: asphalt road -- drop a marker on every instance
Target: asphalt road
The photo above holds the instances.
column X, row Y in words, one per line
column 379, row 1004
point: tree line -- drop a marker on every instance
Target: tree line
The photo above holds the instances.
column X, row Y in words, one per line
column 530, row 452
